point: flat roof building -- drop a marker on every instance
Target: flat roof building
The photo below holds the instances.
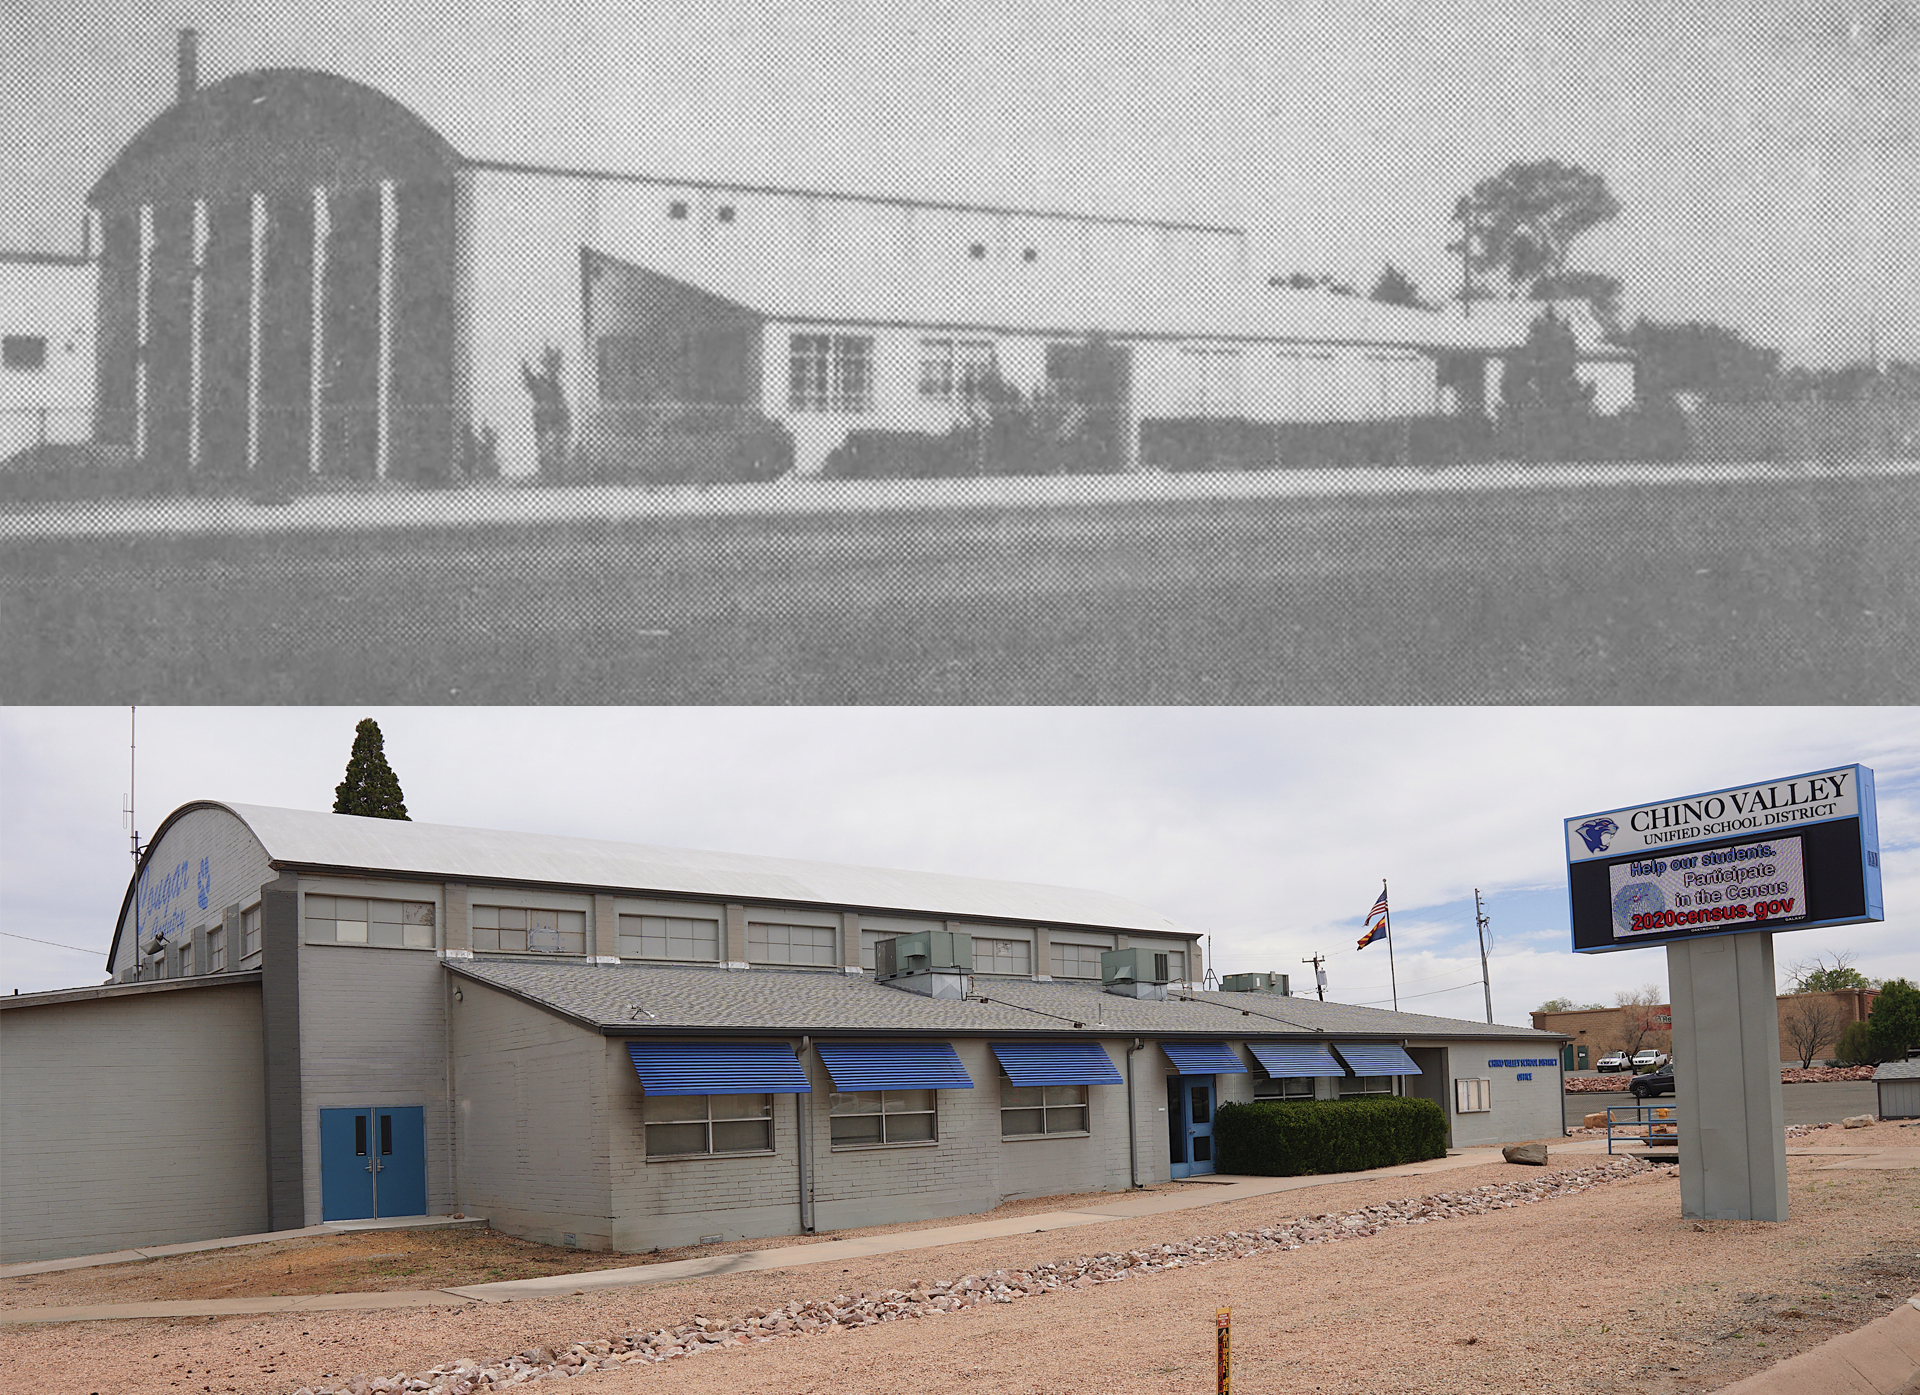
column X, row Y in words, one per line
column 317, row 1017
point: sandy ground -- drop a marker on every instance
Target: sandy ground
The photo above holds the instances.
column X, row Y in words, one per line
column 1606, row 1291
column 383, row 1261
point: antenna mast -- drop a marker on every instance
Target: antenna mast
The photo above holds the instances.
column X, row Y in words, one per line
column 1480, row 924
column 131, row 822
column 1208, row 980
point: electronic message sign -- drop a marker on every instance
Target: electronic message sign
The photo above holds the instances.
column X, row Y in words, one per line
column 1786, row 854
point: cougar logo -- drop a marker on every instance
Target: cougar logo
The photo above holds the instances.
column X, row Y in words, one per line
column 205, row 883
column 1596, row 832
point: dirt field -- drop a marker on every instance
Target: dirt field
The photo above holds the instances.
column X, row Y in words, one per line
column 1604, row 1291
column 1782, row 590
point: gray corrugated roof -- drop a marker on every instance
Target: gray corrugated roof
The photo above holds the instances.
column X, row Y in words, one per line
column 302, row 838
column 1899, row 1070
column 684, row 997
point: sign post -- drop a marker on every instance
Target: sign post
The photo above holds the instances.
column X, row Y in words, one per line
column 1712, row 877
column 1223, row 1334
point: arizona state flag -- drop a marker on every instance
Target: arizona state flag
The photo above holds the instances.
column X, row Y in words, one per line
column 1377, row 930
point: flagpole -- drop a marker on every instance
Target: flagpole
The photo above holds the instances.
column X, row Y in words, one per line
column 1391, row 978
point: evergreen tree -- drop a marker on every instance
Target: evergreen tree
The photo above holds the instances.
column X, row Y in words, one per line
column 1395, row 288
column 1894, row 1024
column 371, row 789
column 1543, row 378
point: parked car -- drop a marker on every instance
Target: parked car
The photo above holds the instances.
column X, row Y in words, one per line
column 1655, row 1082
column 1614, row 1061
column 1647, row 1060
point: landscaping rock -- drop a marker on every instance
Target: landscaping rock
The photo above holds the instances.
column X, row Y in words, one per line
column 1595, row 1121
column 1859, row 1121
column 1532, row 1153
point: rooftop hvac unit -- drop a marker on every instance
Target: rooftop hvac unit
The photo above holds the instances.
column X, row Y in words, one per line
column 924, row 952
column 1135, row 973
column 933, row 963
column 1257, row 983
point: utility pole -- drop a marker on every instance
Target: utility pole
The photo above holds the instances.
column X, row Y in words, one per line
column 1480, row 923
column 1319, row 975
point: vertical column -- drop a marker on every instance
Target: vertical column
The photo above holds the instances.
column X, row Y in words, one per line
column 1726, row 1055
column 1042, row 954
column 850, row 941
column 603, row 929
column 280, row 1032
column 734, row 955
column 256, row 254
column 317, row 379
column 456, row 934
column 142, row 331
column 196, row 326
column 389, row 218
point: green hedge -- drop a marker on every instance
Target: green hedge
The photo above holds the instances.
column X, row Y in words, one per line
column 1273, row 1139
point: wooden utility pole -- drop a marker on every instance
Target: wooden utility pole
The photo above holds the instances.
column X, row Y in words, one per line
column 1480, row 923
column 1319, row 975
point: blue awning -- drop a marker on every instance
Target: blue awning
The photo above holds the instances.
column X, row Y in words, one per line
column 1295, row 1060
column 1203, row 1058
column 1057, row 1063
column 1372, row 1058
column 718, row 1068
column 893, row 1065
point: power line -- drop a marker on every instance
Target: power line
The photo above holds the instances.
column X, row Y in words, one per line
column 55, row 943
column 1455, row 989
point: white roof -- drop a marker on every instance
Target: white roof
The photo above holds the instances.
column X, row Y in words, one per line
column 1506, row 324
column 303, row 838
column 1141, row 302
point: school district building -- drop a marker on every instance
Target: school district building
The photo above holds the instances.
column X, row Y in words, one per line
column 315, row 1017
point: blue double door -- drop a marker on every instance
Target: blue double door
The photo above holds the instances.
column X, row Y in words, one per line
column 1190, row 1124
column 373, row 1162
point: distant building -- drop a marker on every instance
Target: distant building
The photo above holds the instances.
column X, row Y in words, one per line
column 317, row 1017
column 47, row 311
column 301, row 275
column 1497, row 326
column 1596, row 1031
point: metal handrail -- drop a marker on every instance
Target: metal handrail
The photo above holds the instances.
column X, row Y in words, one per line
column 1641, row 1117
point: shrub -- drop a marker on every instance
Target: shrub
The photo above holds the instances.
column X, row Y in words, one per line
column 1855, row 1047
column 1893, row 1027
column 1272, row 1139
column 698, row 446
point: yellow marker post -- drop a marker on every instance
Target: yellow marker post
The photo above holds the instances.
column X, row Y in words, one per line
column 1223, row 1333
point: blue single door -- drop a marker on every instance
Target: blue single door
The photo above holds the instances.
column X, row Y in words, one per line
column 1190, row 1125
column 373, row 1162
column 346, row 1164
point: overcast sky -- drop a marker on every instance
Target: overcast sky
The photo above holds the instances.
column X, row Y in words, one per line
column 1765, row 152
column 1271, row 829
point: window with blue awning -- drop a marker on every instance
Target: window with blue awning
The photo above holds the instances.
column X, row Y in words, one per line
column 1057, row 1063
column 1290, row 1060
column 1203, row 1058
column 1373, row 1058
column 893, row 1065
column 718, row 1068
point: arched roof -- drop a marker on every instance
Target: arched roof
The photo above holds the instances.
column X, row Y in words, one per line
column 307, row 841
column 276, row 128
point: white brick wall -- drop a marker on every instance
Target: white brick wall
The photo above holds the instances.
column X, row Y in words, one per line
column 236, row 868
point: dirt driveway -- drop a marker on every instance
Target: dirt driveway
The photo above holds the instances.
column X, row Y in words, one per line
column 1605, row 1290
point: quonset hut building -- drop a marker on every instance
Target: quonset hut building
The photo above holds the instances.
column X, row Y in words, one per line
column 298, row 274
column 319, row 1017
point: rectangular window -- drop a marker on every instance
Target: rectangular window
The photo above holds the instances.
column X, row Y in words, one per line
column 792, row 944
column 217, row 949
column 1076, row 961
column 1270, row 1089
column 24, row 353
column 529, row 930
column 160, row 964
column 186, row 957
column 950, row 369
column 669, row 937
column 830, row 373
column 1002, row 957
column 250, row 938
column 367, row 920
column 1033, row 1111
column 1176, row 966
column 868, row 939
column 872, row 1118
column 1354, row 1086
column 680, row 1126
column 1473, row 1096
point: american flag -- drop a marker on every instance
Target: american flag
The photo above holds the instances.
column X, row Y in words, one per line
column 1379, row 907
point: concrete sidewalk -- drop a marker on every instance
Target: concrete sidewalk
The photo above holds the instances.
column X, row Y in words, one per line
column 229, row 1242
column 1882, row 1358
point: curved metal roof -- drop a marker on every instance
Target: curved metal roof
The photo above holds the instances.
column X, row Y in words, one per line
column 303, row 839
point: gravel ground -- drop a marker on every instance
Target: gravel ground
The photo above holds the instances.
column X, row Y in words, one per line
column 1600, row 1290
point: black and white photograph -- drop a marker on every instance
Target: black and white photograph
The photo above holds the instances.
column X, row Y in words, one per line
column 763, row 697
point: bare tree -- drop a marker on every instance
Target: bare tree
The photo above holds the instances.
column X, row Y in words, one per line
column 1822, row 973
column 1639, row 1027
column 1812, row 1022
